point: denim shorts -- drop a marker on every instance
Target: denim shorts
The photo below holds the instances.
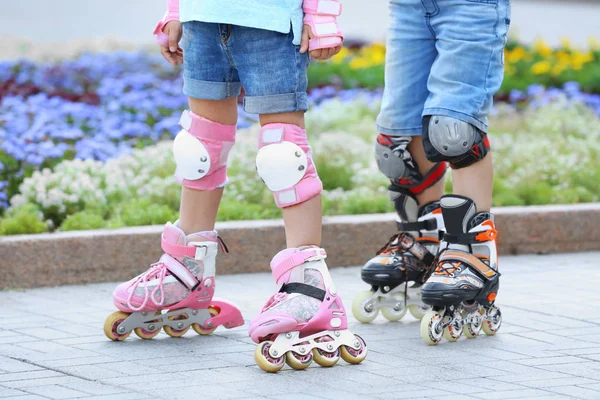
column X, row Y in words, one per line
column 218, row 59
column 444, row 57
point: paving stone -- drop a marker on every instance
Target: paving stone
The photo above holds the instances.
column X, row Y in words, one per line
column 513, row 394
column 576, row 391
column 56, row 392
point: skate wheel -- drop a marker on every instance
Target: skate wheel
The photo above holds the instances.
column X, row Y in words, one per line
column 149, row 334
column 453, row 331
column 111, row 324
column 176, row 333
column 394, row 314
column 431, row 330
column 265, row 361
column 492, row 322
column 472, row 329
column 200, row 330
column 362, row 309
column 418, row 311
column 325, row 358
column 353, row 356
column 298, row 361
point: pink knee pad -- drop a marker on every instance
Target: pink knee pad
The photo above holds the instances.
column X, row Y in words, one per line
column 284, row 162
column 321, row 16
column 201, row 151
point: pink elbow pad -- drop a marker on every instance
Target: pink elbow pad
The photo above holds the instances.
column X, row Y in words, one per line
column 172, row 14
column 321, row 16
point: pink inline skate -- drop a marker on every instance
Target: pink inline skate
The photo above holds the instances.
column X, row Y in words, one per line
column 182, row 282
column 306, row 319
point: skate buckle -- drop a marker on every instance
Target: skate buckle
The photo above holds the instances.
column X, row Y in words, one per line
column 201, row 251
column 487, row 236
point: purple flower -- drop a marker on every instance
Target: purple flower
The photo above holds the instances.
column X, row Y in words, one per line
column 516, row 96
column 535, row 90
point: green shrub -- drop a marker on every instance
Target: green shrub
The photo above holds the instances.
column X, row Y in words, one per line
column 22, row 220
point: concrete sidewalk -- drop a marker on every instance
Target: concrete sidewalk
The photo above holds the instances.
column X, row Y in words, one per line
column 52, row 346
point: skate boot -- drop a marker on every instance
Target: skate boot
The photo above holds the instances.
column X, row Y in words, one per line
column 463, row 288
column 399, row 269
column 182, row 284
column 305, row 319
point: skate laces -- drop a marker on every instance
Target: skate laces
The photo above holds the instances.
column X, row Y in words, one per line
column 157, row 270
column 394, row 245
column 274, row 300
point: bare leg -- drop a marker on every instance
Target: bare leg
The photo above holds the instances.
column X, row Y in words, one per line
column 434, row 192
column 302, row 221
column 198, row 210
column 476, row 182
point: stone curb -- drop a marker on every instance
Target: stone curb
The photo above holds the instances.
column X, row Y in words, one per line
column 115, row 255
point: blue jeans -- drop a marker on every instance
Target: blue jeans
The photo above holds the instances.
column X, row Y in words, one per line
column 218, row 59
column 444, row 57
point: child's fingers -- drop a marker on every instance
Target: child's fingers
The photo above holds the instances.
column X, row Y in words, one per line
column 170, row 57
column 337, row 49
column 305, row 39
column 173, row 40
column 316, row 54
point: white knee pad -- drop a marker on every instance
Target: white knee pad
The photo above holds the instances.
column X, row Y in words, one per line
column 284, row 163
column 201, row 150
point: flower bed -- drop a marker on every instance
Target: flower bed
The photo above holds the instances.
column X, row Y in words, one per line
column 542, row 156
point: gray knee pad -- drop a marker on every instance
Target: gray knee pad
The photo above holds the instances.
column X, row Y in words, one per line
column 449, row 139
column 395, row 161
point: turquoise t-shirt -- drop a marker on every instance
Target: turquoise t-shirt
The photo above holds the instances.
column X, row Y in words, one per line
column 271, row 15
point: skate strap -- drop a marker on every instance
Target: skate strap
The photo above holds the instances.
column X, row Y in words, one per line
column 177, row 250
column 469, row 259
column 295, row 259
column 302, row 288
column 407, row 242
column 427, row 225
column 471, row 237
column 179, row 271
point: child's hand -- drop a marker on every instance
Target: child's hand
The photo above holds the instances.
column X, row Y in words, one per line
column 172, row 53
column 319, row 54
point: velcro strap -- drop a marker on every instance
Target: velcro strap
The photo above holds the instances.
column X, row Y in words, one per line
column 203, row 128
column 178, row 250
column 179, row 272
column 471, row 237
column 427, row 225
column 476, row 153
column 467, row 258
column 298, row 258
column 324, row 42
column 302, row 288
column 323, row 7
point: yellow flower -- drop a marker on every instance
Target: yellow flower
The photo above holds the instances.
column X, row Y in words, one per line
column 341, row 56
column 541, row 67
column 565, row 43
column 517, row 54
column 542, row 48
column 582, row 58
column 594, row 43
column 359, row 63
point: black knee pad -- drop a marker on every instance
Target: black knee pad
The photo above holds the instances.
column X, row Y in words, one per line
column 449, row 139
column 395, row 161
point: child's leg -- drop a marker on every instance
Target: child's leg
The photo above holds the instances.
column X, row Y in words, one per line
column 303, row 220
column 306, row 304
column 468, row 71
column 198, row 211
column 182, row 281
column 416, row 184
